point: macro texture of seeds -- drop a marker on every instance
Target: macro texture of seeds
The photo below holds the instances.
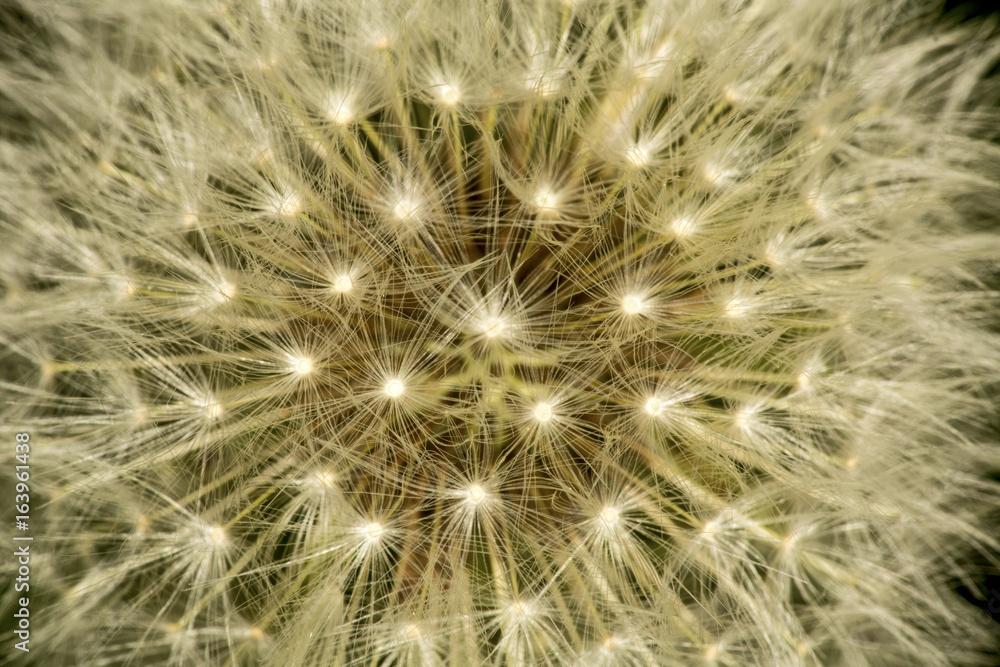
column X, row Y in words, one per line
column 502, row 332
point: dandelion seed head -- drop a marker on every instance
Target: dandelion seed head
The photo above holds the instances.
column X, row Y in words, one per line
column 717, row 175
column 654, row 406
column 216, row 535
column 448, row 94
column 121, row 287
column 475, row 494
column 323, row 480
column 737, row 306
column 343, row 284
column 775, row 254
column 547, row 201
column 543, row 412
column 470, row 333
column 394, row 388
column 212, row 408
column 521, row 610
column 225, row 291
column 633, row 305
column 638, row 155
column 744, row 418
column 373, row 531
column 610, row 516
column 406, row 208
column 819, row 204
column 302, row 365
column 285, row 204
column 339, row 109
column 683, row 227
column 738, row 94
column 493, row 327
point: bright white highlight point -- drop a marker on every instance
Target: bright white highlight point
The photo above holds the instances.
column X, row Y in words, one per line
column 521, row 609
column 374, row 531
column 637, row 156
column 547, row 201
column 736, row 95
column 216, row 535
column 717, row 175
column 543, row 412
column 774, row 253
column 744, row 419
column 213, row 410
column 654, row 406
column 683, row 227
column 224, row 292
column 343, row 284
column 632, row 305
column 449, row 95
column 286, row 204
column 610, row 516
column 737, row 306
column 804, row 380
column 303, row 365
column 393, row 388
column 323, row 479
column 476, row 494
column 819, row 204
column 338, row 109
column 493, row 327
column 406, row 209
